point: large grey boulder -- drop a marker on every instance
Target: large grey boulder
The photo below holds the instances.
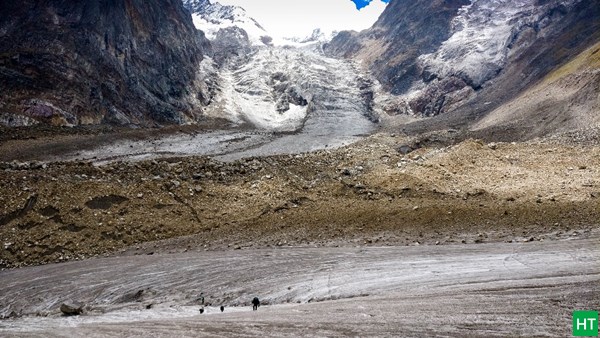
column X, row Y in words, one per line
column 71, row 308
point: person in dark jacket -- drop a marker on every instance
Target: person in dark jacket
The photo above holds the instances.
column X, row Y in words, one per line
column 255, row 303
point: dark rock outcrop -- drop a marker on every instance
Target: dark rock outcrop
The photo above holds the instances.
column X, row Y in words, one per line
column 197, row 6
column 71, row 309
column 31, row 201
column 105, row 61
column 105, row 202
column 231, row 42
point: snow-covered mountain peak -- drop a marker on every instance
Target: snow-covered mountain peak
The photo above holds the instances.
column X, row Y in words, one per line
column 211, row 17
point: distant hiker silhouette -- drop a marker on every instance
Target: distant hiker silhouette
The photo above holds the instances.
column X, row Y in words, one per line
column 222, row 308
column 201, row 298
column 255, row 303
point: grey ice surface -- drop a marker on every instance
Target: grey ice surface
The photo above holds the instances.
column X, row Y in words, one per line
column 498, row 289
column 335, row 91
column 230, row 145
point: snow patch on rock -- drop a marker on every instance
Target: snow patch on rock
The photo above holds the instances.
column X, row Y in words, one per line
column 481, row 38
column 215, row 17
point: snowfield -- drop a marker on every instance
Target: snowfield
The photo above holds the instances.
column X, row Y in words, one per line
column 502, row 289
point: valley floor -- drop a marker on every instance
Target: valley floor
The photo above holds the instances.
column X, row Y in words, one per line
column 497, row 289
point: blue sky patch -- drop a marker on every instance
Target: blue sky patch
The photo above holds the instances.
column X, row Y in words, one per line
column 360, row 4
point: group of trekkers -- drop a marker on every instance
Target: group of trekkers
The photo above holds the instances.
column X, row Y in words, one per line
column 255, row 303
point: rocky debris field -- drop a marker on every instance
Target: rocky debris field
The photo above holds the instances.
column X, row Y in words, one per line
column 383, row 190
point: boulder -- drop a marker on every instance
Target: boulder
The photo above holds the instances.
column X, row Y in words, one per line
column 405, row 149
column 71, row 309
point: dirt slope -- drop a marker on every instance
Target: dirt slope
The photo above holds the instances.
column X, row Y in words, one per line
column 566, row 99
column 367, row 193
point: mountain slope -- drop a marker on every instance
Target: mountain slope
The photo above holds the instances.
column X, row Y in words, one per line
column 566, row 99
column 462, row 59
column 404, row 31
column 88, row 62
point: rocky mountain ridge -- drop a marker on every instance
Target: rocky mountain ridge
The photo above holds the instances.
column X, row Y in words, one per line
column 441, row 57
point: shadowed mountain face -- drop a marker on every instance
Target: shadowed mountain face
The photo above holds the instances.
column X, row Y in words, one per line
column 89, row 62
column 464, row 58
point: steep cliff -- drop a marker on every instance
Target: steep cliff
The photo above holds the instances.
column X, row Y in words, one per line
column 468, row 57
column 105, row 61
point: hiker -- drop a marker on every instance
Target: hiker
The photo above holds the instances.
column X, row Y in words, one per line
column 222, row 308
column 255, row 303
column 201, row 298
